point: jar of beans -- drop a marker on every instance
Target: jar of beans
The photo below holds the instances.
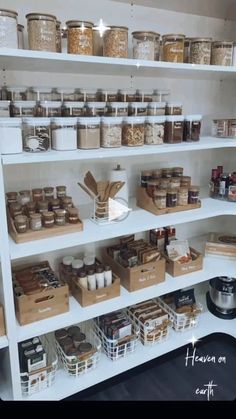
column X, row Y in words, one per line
column 133, row 131
column 79, row 37
column 115, row 42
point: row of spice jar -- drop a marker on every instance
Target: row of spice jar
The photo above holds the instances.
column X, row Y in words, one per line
column 171, row 198
column 61, row 134
column 66, row 109
column 22, row 93
column 225, row 128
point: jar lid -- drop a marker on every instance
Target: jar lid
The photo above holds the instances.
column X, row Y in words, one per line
column 79, row 23
column 10, row 121
column 73, row 104
column 118, row 104
column 216, row 43
column 50, row 104
column 139, row 104
column 21, row 218
column 124, row 28
column 20, row 27
column 42, row 89
column 4, row 103
column 89, row 121
column 160, row 193
column 194, row 188
column 140, row 34
column 96, row 104
column 158, row 105
column 60, row 212
column 7, row 12
column 174, row 104
column 64, row 121
column 89, row 260
column 153, row 182
column 111, row 120
column 17, row 89
column 201, row 40
column 193, row 117
column 37, row 121
column 40, row 16
column 173, row 35
column 172, row 191
column 66, row 90
column 134, row 119
column 48, row 214
column 35, row 216
column 25, row 103
column 174, row 118
column 85, row 347
column 77, row 263
column 24, row 192
column 146, row 173
column 153, row 118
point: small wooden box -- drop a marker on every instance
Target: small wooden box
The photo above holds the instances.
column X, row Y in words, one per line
column 87, row 297
column 2, row 322
column 138, row 277
column 41, row 305
column 145, row 201
column 220, row 244
column 177, row 269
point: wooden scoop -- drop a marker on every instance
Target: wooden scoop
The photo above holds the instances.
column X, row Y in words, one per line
column 91, row 183
column 102, row 188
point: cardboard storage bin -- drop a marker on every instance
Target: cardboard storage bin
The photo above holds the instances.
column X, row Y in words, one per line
column 87, row 297
column 138, row 277
column 177, row 269
column 2, row 322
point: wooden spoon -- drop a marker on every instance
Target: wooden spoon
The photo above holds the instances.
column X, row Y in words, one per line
column 115, row 187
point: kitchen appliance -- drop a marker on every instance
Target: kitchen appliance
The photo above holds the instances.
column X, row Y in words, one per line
column 221, row 298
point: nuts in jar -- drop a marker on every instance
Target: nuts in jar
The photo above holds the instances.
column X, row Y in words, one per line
column 173, row 48
column 133, row 131
column 79, row 37
column 160, row 199
column 111, row 132
column 174, row 129
column 115, row 42
column 48, row 219
column 222, row 53
column 200, row 51
column 41, row 32
column 154, row 130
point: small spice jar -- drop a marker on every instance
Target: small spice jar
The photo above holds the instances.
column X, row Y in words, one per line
column 36, row 134
column 88, row 133
column 185, row 181
column 164, row 184
column 21, row 223
column 15, row 209
column 166, row 172
column 42, row 206
column 73, row 109
column 174, row 108
column 111, row 132
column 173, row 48
column 152, row 186
column 55, row 204
column 116, row 109
column 48, row 219
column 220, row 128
column 37, row 194
column 200, row 51
column 174, row 129
column 67, row 202
column 182, row 198
column 30, row 208
column 222, row 53
column 64, row 134
column 41, row 31
column 177, row 171
column 154, row 129
column 23, row 108
column 174, row 183
column 60, row 217
column 48, row 193
column 95, row 109
column 160, row 199
column 24, row 197
column 61, row 191
column 157, row 174
column 58, row 36
column 146, row 45
column 192, row 128
column 73, row 215
column 156, row 108
column 137, row 109
column 193, row 194
column 8, row 29
column 146, row 175
column 115, row 42
column 171, row 198
column 133, row 131
column 12, row 197
column 35, row 222
column 49, row 109
column 79, row 37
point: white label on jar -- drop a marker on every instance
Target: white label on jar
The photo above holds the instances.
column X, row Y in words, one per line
column 48, row 222
column 144, row 50
column 36, row 225
column 21, row 227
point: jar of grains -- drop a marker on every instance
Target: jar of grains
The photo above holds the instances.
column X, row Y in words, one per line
column 146, row 45
column 36, row 134
column 115, row 42
column 41, row 32
column 133, row 131
column 58, row 36
column 200, row 51
column 182, row 198
column 192, row 128
column 64, row 134
column 154, row 129
column 20, row 36
column 73, row 109
column 88, row 132
column 174, row 129
column 173, row 48
column 222, row 53
column 8, row 29
column 111, row 131
column 116, row 109
column 156, row 108
column 79, row 37
column 160, row 199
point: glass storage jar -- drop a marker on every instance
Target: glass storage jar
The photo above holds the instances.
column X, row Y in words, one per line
column 166, row 172
column 222, row 53
column 157, row 174
column 23, row 108
column 192, row 128
column 95, row 109
column 15, row 209
column 48, row 193
column 115, row 42
column 61, row 191
column 48, row 219
column 174, row 183
column 67, row 95
column 152, row 187
column 64, row 134
column 174, row 108
column 79, row 37
column 21, row 223
column 66, row 202
column 111, row 132
column 5, row 108
column 10, row 128
column 177, row 171
column 90, row 95
column 42, row 206
column 30, row 208
column 146, row 45
column 128, row 95
column 156, row 108
column 12, row 197
column 154, row 129
column 8, row 29
column 174, row 129
column 146, row 175
column 145, row 96
column 137, row 109
column 88, row 133
column 16, row 93
column 193, row 194
column 36, row 134
column 133, row 131
column 49, row 109
column 41, row 31
column 43, row 93
column 35, row 222
column 220, row 128
column 161, row 95
column 116, row 109
column 160, row 199
column 164, row 184
column 173, row 48
column 55, row 204
column 109, row 95
column 182, row 198
column 20, row 36
column 171, row 198
column 200, row 51
column 185, row 181
column 37, row 194
column 60, row 217
column 58, row 36
column 73, row 109
column 25, row 197
column 73, row 215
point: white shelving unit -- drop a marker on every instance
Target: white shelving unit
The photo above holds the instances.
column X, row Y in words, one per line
column 211, row 88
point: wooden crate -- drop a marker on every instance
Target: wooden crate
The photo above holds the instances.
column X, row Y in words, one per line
column 44, row 233
column 138, row 277
column 177, row 269
column 2, row 322
column 221, row 244
column 145, row 201
column 87, row 298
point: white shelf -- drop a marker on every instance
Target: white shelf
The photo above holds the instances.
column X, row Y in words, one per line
column 206, row 143
column 211, row 267
column 138, row 220
column 3, row 342
column 40, row 61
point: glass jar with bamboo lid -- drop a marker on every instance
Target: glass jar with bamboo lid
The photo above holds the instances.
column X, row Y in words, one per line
column 79, row 37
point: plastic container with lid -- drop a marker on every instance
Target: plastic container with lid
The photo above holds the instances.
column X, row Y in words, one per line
column 117, row 109
column 36, row 134
column 115, row 42
column 137, row 109
column 73, row 109
column 20, row 36
column 146, row 45
column 174, row 129
column 192, row 127
column 109, row 95
column 49, row 109
column 8, row 29
column 174, row 108
column 79, row 37
column 64, row 134
column 95, row 109
column 154, row 129
column 10, row 136
column 67, row 95
column 88, row 133
column 41, row 31
column 133, row 131
column 222, row 53
column 42, row 93
column 144, row 96
column 23, row 108
column 128, row 95
column 161, row 95
column 200, row 51
column 5, row 108
column 17, row 93
column 156, row 108
column 90, row 95
column 173, row 48
column 111, row 132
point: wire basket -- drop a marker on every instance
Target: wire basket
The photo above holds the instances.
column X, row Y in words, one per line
column 182, row 321
column 116, row 348
column 78, row 365
column 221, row 193
column 152, row 334
column 44, row 377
